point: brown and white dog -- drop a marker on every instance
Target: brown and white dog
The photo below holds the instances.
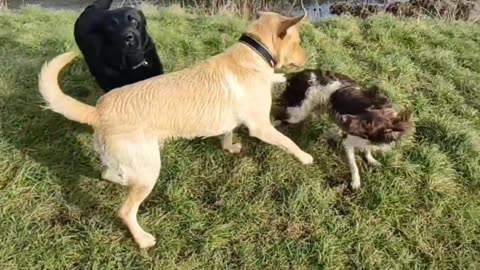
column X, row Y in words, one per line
column 211, row 98
column 363, row 114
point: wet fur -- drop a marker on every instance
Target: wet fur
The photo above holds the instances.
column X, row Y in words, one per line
column 211, row 98
column 364, row 114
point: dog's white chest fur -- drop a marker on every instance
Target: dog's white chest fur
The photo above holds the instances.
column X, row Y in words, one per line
column 316, row 95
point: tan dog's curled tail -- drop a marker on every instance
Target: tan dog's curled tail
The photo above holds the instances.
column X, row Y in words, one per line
column 56, row 100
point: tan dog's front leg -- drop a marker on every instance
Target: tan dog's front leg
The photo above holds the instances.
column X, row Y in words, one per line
column 227, row 143
column 269, row 134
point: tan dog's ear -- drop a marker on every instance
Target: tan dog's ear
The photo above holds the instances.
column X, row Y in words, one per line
column 286, row 24
column 259, row 14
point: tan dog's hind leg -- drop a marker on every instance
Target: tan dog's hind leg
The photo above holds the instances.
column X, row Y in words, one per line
column 269, row 134
column 128, row 213
column 141, row 163
column 227, row 143
column 112, row 176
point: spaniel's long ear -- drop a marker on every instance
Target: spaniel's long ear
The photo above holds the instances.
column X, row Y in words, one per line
column 354, row 125
column 403, row 122
column 391, row 135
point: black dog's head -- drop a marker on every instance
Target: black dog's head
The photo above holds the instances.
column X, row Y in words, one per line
column 125, row 33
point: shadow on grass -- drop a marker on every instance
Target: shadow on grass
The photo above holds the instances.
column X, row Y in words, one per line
column 60, row 146
column 456, row 142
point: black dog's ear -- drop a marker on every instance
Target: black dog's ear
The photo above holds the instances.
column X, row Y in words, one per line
column 144, row 19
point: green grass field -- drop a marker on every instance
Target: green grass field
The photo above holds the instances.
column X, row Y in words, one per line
column 261, row 209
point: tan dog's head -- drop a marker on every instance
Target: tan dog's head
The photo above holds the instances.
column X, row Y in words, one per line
column 281, row 37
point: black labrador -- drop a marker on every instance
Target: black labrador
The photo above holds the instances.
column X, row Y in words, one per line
column 116, row 45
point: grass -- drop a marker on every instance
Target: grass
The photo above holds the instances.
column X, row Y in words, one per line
column 261, row 209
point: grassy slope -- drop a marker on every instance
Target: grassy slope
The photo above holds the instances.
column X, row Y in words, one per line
column 261, row 209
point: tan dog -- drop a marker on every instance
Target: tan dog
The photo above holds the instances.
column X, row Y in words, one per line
column 209, row 99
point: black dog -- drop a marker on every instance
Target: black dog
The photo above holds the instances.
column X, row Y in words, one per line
column 116, row 45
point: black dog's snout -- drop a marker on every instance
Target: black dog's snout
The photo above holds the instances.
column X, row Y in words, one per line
column 129, row 38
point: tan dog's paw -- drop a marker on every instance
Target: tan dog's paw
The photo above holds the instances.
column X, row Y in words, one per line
column 279, row 78
column 306, row 158
column 235, row 148
column 355, row 184
column 145, row 240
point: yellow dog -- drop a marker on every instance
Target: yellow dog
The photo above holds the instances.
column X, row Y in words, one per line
column 211, row 98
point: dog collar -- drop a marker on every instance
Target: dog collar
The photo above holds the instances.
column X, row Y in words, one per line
column 259, row 48
column 145, row 49
column 143, row 63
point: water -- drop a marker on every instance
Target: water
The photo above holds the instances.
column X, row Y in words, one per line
column 317, row 9
column 52, row 4
column 64, row 4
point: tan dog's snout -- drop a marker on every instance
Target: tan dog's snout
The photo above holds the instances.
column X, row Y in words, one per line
column 281, row 36
column 292, row 50
column 300, row 59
